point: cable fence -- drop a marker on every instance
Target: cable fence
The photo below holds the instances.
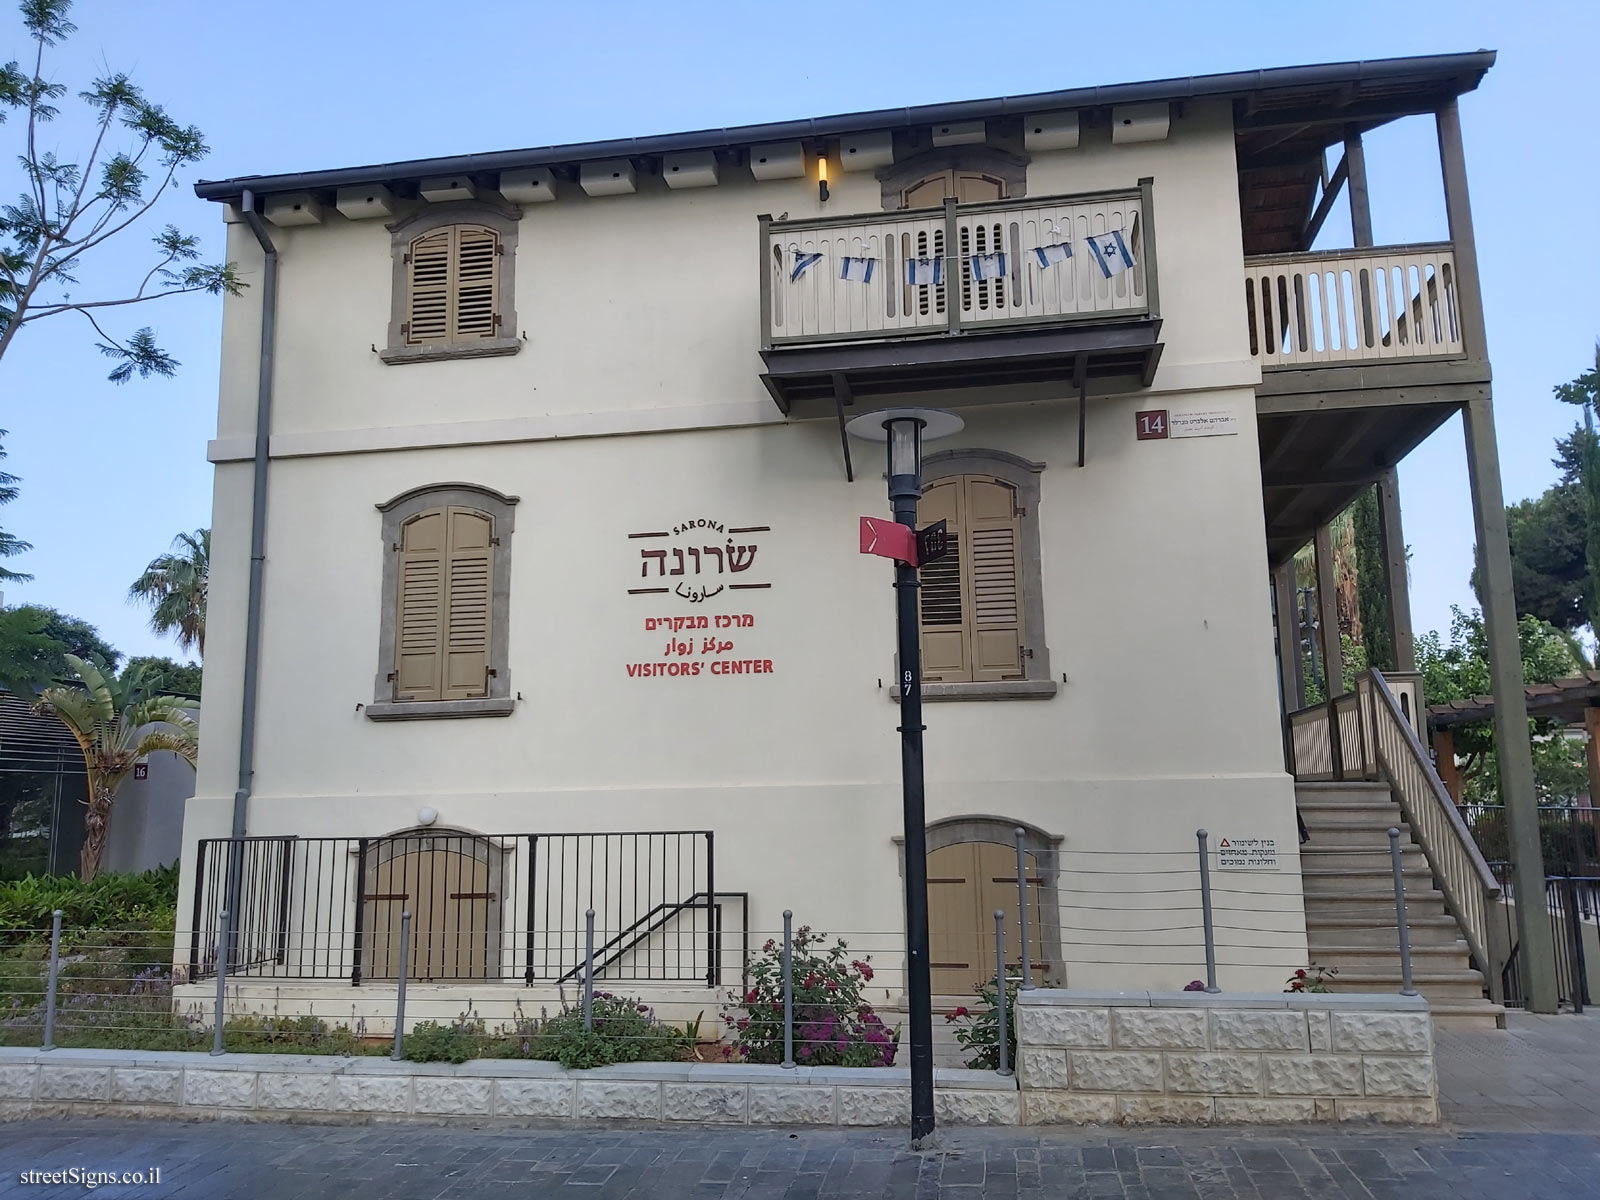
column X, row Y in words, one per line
column 793, row 995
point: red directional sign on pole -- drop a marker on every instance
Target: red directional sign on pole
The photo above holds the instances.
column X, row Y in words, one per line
column 888, row 539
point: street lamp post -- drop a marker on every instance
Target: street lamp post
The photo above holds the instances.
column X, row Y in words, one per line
column 905, row 430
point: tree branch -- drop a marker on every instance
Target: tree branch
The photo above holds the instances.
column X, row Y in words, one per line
column 50, row 310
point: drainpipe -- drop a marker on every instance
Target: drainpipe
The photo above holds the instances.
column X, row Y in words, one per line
column 258, row 554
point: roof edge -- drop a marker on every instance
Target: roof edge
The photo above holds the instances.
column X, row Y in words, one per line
column 1466, row 70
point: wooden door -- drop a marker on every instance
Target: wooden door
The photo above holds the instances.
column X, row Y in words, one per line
column 448, row 893
column 967, row 882
column 966, row 187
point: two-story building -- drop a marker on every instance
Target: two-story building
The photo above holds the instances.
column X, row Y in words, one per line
column 536, row 584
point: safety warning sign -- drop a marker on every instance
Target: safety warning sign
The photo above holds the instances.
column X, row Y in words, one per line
column 1247, row 854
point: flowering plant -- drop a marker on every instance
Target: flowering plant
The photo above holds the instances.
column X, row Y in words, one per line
column 1312, row 979
column 980, row 1035
column 834, row 1026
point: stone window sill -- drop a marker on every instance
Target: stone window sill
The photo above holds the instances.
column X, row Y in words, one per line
column 1008, row 689
column 423, row 710
column 397, row 356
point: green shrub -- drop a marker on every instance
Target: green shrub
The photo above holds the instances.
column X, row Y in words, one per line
column 125, row 902
column 460, row 1040
column 979, row 1036
column 624, row 1031
column 834, row 1026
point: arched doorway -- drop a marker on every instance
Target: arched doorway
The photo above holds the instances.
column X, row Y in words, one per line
column 450, row 883
column 972, row 871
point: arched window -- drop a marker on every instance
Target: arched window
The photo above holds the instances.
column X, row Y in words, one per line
column 982, row 605
column 966, row 174
column 446, row 575
column 454, row 284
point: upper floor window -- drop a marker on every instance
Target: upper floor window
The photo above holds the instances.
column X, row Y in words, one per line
column 982, row 605
column 454, row 284
column 444, row 627
column 965, row 174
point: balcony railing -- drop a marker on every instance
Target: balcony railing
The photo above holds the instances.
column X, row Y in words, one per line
column 1325, row 308
column 819, row 304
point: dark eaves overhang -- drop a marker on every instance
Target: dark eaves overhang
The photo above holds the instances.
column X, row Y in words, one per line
column 1457, row 72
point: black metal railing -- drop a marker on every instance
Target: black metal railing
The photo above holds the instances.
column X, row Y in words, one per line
column 504, row 908
column 1570, row 845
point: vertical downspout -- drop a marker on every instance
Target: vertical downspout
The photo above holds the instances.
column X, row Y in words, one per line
column 258, row 555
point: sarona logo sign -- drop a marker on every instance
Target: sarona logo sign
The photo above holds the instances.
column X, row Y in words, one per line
column 696, row 560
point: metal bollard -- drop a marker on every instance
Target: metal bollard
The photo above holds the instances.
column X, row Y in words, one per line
column 50, row 986
column 222, row 986
column 588, row 970
column 788, row 989
column 1004, row 1046
column 400, row 997
column 1022, row 907
column 1400, row 915
column 1205, row 913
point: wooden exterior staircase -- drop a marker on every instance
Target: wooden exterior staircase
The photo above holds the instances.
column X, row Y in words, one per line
column 1350, row 909
column 1360, row 770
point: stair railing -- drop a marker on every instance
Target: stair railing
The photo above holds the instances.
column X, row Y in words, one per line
column 1468, row 884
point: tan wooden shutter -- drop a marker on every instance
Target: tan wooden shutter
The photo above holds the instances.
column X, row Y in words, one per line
column 469, row 589
column 477, row 280
column 994, row 578
column 428, row 307
column 945, row 655
column 419, row 620
column 454, row 280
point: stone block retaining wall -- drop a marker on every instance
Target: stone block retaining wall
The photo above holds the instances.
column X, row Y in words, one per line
column 314, row 1087
column 1190, row 1057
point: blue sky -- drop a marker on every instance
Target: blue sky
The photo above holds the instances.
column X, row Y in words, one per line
column 110, row 473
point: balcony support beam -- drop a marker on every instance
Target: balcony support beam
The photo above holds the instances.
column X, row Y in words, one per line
column 1355, row 156
column 842, row 396
column 1291, row 672
column 1328, row 611
column 1398, row 583
column 1536, row 942
column 1458, row 209
column 1330, row 193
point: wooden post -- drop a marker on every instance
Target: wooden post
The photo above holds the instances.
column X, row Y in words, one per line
column 1591, row 726
column 1396, row 571
column 1458, row 210
column 1515, row 752
column 1444, row 753
column 1291, row 675
column 1328, row 613
column 1356, row 174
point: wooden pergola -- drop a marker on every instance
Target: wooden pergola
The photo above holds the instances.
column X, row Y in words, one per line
column 1569, row 702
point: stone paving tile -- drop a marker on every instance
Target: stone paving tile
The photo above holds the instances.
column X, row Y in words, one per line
column 265, row 1162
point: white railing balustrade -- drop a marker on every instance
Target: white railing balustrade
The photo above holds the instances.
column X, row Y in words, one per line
column 818, row 300
column 1379, row 304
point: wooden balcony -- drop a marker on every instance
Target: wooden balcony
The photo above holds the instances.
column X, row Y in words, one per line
column 829, row 334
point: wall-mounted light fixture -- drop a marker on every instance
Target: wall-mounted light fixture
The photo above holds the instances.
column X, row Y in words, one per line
column 822, row 175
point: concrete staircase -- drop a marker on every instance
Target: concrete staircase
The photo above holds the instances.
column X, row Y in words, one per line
column 1350, row 913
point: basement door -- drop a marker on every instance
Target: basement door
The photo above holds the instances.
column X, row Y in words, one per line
column 966, row 883
column 445, row 885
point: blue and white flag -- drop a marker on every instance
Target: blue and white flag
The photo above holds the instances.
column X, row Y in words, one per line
column 802, row 263
column 920, row 272
column 988, row 266
column 857, row 270
column 1110, row 252
column 1056, row 252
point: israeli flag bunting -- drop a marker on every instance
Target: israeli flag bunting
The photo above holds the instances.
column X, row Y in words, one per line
column 857, row 270
column 920, row 272
column 803, row 263
column 988, row 266
column 1048, row 256
column 1110, row 252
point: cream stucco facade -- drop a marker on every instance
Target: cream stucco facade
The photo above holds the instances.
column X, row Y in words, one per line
column 635, row 404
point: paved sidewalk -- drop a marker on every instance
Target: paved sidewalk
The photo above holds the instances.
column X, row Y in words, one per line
column 218, row 1162
column 1542, row 1075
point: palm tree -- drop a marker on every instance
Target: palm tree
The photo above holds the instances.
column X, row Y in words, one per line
column 116, row 724
column 175, row 585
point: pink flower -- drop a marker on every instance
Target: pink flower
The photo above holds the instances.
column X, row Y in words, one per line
column 751, row 995
column 959, row 1010
column 767, row 949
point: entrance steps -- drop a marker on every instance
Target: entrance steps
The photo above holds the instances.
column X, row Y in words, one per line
column 1350, row 913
